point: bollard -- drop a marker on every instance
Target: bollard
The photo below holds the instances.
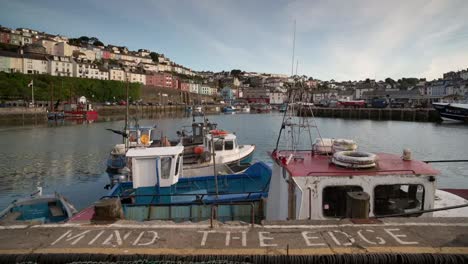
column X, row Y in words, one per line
column 357, row 205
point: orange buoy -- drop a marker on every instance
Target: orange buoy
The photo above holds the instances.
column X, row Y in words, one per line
column 198, row 150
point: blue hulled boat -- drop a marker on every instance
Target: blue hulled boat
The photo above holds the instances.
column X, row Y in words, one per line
column 158, row 190
column 39, row 208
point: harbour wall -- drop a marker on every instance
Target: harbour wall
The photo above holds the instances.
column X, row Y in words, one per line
column 402, row 114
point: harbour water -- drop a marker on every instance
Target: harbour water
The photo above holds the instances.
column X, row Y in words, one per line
column 70, row 158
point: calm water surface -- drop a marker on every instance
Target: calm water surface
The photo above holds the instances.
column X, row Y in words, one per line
column 70, row 158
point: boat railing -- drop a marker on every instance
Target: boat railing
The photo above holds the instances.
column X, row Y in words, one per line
column 215, row 211
column 199, row 196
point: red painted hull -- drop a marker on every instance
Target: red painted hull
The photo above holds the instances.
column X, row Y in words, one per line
column 79, row 113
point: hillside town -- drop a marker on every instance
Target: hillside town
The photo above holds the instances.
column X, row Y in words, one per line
column 29, row 51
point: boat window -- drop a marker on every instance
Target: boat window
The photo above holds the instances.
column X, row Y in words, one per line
column 228, row 145
column 398, row 198
column 334, row 200
column 218, row 144
column 166, row 167
column 132, row 136
column 177, row 165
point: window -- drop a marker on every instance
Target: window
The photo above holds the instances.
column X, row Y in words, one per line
column 166, row 167
column 334, row 200
column 398, row 198
column 228, row 145
column 218, row 144
column 177, row 166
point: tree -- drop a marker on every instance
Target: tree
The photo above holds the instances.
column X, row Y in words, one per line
column 390, row 81
column 154, row 56
column 236, row 72
column 84, row 39
column 98, row 43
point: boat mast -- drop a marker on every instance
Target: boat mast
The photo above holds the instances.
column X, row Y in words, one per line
column 290, row 91
column 126, row 115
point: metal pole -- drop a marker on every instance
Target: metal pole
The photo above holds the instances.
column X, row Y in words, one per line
column 32, row 92
column 214, row 164
column 294, row 47
column 126, row 117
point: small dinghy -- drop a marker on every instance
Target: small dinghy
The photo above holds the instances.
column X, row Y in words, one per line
column 38, row 208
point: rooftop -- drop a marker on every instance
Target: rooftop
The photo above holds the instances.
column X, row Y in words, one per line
column 320, row 165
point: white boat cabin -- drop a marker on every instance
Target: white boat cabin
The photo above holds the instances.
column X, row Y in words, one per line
column 155, row 166
column 226, row 147
column 306, row 185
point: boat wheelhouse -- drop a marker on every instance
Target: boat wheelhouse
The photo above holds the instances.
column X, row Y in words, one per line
column 157, row 189
column 310, row 186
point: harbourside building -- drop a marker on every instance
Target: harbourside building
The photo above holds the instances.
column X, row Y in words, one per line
column 35, row 64
column 116, row 74
column 11, row 62
column 83, row 68
column 159, row 79
column 60, row 66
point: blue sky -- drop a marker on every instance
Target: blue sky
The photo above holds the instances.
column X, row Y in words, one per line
column 341, row 40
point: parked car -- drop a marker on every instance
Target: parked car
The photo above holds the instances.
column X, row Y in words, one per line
column 107, row 103
column 379, row 103
column 122, row 102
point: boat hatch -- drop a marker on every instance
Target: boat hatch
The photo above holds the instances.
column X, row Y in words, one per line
column 398, row 198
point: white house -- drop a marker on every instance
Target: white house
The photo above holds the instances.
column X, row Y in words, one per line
column 116, row 74
column 135, row 77
column 60, row 66
column 35, row 64
column 194, row 87
column 83, row 68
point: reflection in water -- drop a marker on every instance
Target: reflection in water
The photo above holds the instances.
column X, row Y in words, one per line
column 69, row 157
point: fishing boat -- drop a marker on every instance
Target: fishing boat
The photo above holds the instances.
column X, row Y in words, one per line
column 452, row 111
column 334, row 179
column 263, row 108
column 283, row 108
column 245, row 108
column 157, row 190
column 38, row 208
column 82, row 109
column 197, row 111
column 230, row 157
column 229, row 109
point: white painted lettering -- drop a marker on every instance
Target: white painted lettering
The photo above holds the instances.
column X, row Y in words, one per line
column 307, row 237
column 150, row 242
column 397, row 236
column 118, row 238
column 380, row 241
column 262, row 237
column 69, row 237
column 229, row 238
column 337, row 242
column 96, row 237
column 205, row 236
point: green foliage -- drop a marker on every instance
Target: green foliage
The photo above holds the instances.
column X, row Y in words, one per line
column 98, row 43
column 154, row 56
column 15, row 86
column 236, row 72
column 405, row 83
column 8, row 47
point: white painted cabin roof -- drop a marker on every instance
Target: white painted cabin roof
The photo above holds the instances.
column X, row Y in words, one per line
column 155, row 151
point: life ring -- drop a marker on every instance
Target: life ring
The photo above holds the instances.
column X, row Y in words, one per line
column 144, row 139
column 354, row 159
column 218, row 132
column 343, row 145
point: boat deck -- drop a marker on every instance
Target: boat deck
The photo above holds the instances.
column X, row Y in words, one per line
column 401, row 236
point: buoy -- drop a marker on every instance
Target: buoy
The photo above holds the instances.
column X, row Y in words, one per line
column 198, row 150
column 354, row 159
column 343, row 145
column 144, row 139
